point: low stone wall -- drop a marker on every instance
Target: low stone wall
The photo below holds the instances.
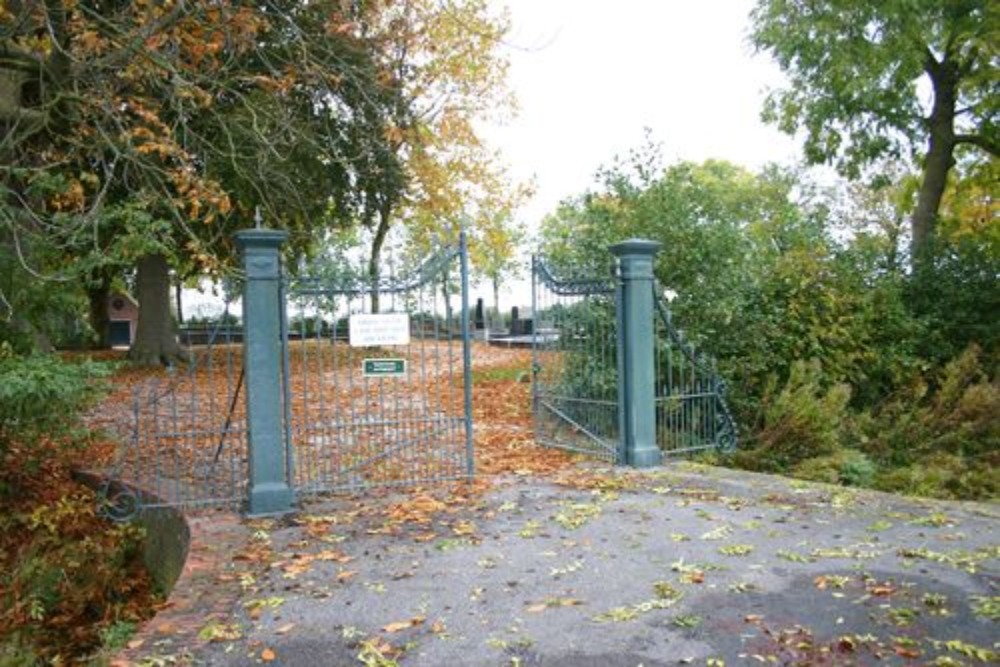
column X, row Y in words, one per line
column 165, row 545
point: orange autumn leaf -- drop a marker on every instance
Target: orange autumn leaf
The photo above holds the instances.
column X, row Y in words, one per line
column 403, row 625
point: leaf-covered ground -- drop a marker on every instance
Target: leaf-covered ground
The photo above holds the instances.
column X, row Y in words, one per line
column 72, row 584
column 546, row 560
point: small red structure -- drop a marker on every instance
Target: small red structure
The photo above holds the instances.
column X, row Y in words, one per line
column 123, row 316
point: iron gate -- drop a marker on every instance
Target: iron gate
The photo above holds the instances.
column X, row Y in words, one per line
column 181, row 431
column 573, row 356
column 388, row 407
column 577, row 390
column 691, row 410
column 357, row 410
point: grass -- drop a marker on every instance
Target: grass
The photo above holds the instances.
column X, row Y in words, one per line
column 499, row 374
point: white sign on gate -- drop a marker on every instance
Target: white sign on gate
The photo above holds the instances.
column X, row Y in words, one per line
column 380, row 329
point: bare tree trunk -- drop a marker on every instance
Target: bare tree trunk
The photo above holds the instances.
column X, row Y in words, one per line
column 938, row 163
column 178, row 288
column 100, row 322
column 375, row 258
column 939, row 159
column 155, row 337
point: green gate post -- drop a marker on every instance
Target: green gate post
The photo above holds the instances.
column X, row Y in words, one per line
column 269, row 492
column 636, row 365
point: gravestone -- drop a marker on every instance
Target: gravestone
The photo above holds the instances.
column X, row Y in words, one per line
column 519, row 327
column 480, row 318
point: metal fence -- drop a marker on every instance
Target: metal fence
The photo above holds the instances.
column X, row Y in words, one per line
column 301, row 397
column 181, row 431
column 580, row 386
column 691, row 410
column 359, row 413
column 574, row 360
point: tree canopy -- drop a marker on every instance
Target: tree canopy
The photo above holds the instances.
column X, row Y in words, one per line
column 135, row 129
column 448, row 57
column 209, row 108
column 859, row 73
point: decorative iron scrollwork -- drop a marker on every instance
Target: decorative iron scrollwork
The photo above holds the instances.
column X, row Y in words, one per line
column 117, row 503
column 571, row 286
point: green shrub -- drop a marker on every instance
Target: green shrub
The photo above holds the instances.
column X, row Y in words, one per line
column 955, row 413
column 75, row 581
column 14, row 654
column 942, row 475
column 115, row 636
column 41, row 398
column 42, row 393
column 803, row 421
column 940, row 435
column 956, row 289
column 70, row 581
column 846, row 466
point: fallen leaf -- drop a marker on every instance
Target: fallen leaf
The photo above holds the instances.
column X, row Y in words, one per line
column 344, row 576
column 553, row 602
column 285, row 629
column 696, row 577
column 218, row 632
column 333, row 555
column 403, row 625
column 267, row 655
column 882, row 590
column 464, row 528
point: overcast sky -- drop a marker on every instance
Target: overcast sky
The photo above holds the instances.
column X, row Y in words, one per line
column 589, row 76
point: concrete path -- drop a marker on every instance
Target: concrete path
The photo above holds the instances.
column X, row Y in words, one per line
column 592, row 567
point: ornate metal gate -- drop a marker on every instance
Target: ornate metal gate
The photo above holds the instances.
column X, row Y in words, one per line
column 691, row 410
column 375, row 390
column 575, row 371
column 181, row 431
column 578, row 384
column 376, row 378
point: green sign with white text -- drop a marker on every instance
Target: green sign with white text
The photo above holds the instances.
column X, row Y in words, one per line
column 383, row 368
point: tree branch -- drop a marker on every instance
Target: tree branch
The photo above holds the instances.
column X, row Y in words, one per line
column 978, row 140
column 931, row 64
column 135, row 42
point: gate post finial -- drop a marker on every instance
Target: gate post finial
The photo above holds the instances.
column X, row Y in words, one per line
column 268, row 488
column 636, row 362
